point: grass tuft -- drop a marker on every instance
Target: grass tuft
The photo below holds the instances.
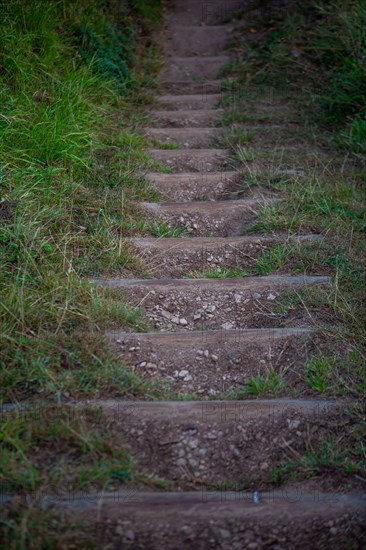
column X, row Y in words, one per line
column 71, row 82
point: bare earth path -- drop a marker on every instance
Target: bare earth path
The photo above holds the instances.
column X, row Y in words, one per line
column 210, row 335
column 209, row 331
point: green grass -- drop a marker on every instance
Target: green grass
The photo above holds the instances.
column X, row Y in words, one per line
column 87, row 451
column 244, row 154
column 155, row 228
column 220, row 273
column 318, row 373
column 166, row 146
column 235, row 137
column 336, row 374
column 316, row 55
column 28, row 526
column 308, row 66
column 331, row 457
column 270, row 383
column 72, row 81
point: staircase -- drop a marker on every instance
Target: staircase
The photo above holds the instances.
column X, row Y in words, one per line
column 209, row 336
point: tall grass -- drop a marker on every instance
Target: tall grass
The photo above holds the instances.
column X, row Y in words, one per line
column 318, row 51
column 66, row 71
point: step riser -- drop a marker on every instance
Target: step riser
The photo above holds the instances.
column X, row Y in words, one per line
column 191, row 102
column 190, row 187
column 188, row 68
column 190, row 87
column 225, row 223
column 210, row 443
column 186, row 119
column 192, row 138
column 251, row 302
column 218, row 221
column 203, row 12
column 177, row 257
column 200, row 161
column 211, row 363
column 187, row 41
column 227, row 519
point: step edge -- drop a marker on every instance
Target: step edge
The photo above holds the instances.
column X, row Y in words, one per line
column 115, row 283
column 222, row 240
column 205, row 497
column 219, row 203
column 189, row 335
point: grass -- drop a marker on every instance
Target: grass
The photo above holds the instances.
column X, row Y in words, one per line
column 336, row 374
column 73, row 81
column 28, row 526
column 344, row 298
column 166, row 146
column 156, row 228
column 340, row 454
column 318, row 373
column 348, row 457
column 244, row 154
column 271, row 383
column 74, row 76
column 268, row 383
column 83, row 449
column 69, row 366
column 306, row 65
column 315, row 54
column 235, row 137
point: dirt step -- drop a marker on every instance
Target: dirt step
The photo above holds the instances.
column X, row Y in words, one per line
column 194, row 304
column 190, row 186
column 189, row 138
column 190, row 68
column 192, row 40
column 202, row 87
column 174, row 257
column 194, row 444
column 199, row 160
column 209, row 218
column 189, row 102
column 203, row 12
column 294, row 517
column 208, row 363
column 276, row 137
column 187, row 119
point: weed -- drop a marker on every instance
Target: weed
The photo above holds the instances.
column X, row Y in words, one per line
column 270, row 383
column 336, row 374
column 244, row 154
column 322, row 52
column 330, row 457
column 235, row 137
column 166, row 146
column 318, row 373
column 71, row 169
column 233, row 116
column 94, row 456
column 87, row 451
column 28, row 526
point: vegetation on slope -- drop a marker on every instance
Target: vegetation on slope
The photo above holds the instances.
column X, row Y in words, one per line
column 299, row 75
column 316, row 52
column 72, row 77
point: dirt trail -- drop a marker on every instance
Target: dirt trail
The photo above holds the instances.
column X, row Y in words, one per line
column 210, row 336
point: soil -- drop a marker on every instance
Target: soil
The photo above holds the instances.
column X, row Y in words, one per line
column 179, row 257
column 201, row 347
column 196, row 304
column 210, row 363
